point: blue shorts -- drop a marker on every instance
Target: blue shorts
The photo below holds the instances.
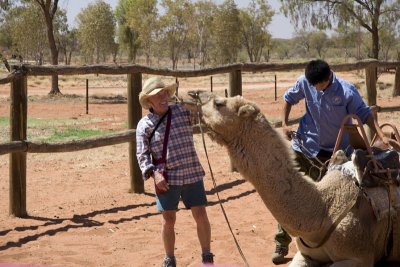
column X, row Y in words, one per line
column 192, row 195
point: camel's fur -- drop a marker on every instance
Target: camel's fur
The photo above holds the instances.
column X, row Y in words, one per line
column 305, row 208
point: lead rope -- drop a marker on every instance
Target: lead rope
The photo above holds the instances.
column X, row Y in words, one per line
column 322, row 166
column 215, row 188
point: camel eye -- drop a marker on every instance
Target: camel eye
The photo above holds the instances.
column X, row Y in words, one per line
column 219, row 103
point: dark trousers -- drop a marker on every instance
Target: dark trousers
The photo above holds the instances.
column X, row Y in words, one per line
column 310, row 167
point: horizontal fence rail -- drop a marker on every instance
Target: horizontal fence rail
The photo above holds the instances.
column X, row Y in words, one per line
column 18, row 146
column 33, row 70
column 70, row 146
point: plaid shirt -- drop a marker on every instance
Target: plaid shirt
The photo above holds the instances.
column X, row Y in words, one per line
column 183, row 166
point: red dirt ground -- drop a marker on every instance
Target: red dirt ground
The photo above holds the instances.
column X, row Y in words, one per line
column 81, row 214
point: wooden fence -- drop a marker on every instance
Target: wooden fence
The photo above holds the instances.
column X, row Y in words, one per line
column 18, row 147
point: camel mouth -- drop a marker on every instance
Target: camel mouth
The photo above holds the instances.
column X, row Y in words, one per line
column 201, row 97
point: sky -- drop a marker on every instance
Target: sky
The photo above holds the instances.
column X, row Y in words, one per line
column 280, row 26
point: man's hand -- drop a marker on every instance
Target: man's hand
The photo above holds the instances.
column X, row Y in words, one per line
column 160, row 182
column 287, row 132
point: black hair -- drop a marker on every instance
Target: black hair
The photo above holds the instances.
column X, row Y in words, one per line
column 317, row 71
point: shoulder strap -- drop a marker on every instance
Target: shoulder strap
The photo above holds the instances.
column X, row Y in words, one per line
column 163, row 158
column 158, row 124
column 166, row 136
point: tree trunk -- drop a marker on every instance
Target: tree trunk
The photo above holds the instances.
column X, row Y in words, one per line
column 375, row 41
column 396, row 89
column 65, row 57
column 54, row 85
column 53, row 48
column 69, row 58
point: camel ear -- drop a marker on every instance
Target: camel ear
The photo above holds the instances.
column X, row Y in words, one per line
column 246, row 111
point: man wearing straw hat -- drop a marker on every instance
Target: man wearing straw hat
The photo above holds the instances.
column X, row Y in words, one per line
column 166, row 155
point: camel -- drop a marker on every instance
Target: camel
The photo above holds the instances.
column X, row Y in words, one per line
column 306, row 209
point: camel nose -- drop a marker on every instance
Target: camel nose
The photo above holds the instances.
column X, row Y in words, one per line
column 195, row 94
column 200, row 96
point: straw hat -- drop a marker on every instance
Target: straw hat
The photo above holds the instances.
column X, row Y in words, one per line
column 151, row 87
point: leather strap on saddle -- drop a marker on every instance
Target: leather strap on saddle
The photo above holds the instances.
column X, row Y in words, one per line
column 394, row 254
column 332, row 228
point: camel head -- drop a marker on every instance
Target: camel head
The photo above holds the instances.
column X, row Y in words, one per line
column 224, row 117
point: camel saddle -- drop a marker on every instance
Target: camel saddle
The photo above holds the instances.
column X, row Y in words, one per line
column 381, row 187
column 387, row 163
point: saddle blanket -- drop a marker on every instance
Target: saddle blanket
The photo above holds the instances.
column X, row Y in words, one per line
column 379, row 198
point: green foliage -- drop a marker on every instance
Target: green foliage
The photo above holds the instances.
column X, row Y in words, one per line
column 96, row 30
column 369, row 14
column 5, row 36
column 28, row 31
column 128, row 37
column 141, row 17
column 68, row 43
column 226, row 36
column 319, row 41
column 255, row 20
column 201, row 24
column 283, row 49
column 175, row 26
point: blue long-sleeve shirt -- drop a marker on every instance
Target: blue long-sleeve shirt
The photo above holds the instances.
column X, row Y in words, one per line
column 325, row 111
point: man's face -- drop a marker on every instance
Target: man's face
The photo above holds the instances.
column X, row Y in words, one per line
column 159, row 102
column 322, row 85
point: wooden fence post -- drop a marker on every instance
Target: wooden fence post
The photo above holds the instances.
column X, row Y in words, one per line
column 87, row 96
column 235, row 83
column 370, row 82
column 18, row 125
column 276, row 89
column 134, row 115
column 235, row 88
column 396, row 89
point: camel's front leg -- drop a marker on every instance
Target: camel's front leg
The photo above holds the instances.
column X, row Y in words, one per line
column 299, row 260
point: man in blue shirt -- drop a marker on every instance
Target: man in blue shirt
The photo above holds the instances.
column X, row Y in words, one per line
column 328, row 100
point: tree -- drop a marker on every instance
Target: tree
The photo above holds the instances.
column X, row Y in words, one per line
column 49, row 9
column 128, row 37
column 323, row 14
column 28, row 32
column 388, row 43
column 282, row 48
column 4, row 6
column 202, row 23
column 319, row 41
column 254, row 21
column 226, row 36
column 174, row 26
column 348, row 40
column 68, row 43
column 302, row 40
column 96, row 31
column 141, row 15
column 5, row 33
